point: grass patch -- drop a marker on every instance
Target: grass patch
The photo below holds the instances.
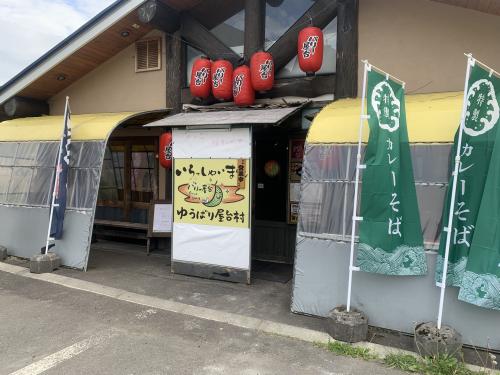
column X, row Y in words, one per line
column 440, row 365
column 348, row 350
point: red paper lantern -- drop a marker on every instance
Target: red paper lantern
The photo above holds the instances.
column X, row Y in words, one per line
column 165, row 154
column 200, row 78
column 262, row 69
column 243, row 92
column 222, row 80
column 310, row 49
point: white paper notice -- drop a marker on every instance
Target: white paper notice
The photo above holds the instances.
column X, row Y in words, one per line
column 162, row 221
column 295, row 192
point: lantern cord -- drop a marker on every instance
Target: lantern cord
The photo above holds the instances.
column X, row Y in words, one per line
column 491, row 70
column 385, row 73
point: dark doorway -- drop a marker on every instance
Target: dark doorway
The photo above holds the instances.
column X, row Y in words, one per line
column 273, row 236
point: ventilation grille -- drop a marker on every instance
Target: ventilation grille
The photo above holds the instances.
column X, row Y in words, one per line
column 148, row 55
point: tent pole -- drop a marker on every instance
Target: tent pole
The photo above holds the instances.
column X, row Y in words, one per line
column 448, row 229
column 355, row 218
column 56, row 180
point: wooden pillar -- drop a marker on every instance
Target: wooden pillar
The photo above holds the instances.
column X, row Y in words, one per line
column 255, row 23
column 346, row 83
column 173, row 70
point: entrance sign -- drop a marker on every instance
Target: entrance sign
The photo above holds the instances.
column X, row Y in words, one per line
column 212, row 192
column 390, row 235
column 211, row 196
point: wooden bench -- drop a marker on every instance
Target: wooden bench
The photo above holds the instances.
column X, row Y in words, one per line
column 140, row 230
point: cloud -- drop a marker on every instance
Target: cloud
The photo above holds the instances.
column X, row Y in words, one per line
column 29, row 28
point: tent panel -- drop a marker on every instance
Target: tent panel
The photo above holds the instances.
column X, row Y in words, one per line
column 23, row 231
column 320, row 284
column 431, row 118
column 49, row 128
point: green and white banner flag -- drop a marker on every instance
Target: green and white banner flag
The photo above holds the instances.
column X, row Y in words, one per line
column 390, row 235
column 480, row 283
column 478, row 139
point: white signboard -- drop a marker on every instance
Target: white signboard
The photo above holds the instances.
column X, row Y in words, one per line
column 194, row 239
column 162, row 220
column 215, row 143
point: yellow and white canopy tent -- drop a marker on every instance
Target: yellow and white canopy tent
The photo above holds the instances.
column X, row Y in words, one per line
column 326, row 205
column 28, row 152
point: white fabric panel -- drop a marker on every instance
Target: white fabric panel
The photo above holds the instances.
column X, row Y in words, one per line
column 232, row 143
column 248, row 116
column 213, row 245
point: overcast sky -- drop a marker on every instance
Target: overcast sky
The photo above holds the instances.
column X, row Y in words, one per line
column 29, row 28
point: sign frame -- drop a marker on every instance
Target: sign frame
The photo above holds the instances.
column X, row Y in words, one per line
column 151, row 213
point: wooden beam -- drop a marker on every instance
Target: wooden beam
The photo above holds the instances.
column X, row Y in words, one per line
column 214, row 12
column 197, row 35
column 18, row 106
column 255, row 23
column 309, row 87
column 321, row 13
column 159, row 15
column 173, row 68
column 346, row 85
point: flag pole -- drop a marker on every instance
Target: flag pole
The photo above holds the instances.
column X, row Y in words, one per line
column 56, row 180
column 363, row 117
column 448, row 228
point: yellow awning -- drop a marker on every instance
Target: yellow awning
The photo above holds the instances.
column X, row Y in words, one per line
column 49, row 128
column 430, row 118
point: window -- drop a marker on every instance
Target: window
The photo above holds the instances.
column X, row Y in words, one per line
column 281, row 15
column 142, row 173
column 232, row 32
column 148, row 55
column 327, row 189
column 129, row 180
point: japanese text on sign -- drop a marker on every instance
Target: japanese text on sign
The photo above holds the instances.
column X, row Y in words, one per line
column 211, row 192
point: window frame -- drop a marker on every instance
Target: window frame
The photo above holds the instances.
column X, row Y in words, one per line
column 159, row 42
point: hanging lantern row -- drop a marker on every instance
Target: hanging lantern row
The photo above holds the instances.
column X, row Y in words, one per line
column 165, row 154
column 200, row 78
column 219, row 78
column 243, row 92
column 224, row 83
column 262, row 71
column 222, row 80
column 310, row 49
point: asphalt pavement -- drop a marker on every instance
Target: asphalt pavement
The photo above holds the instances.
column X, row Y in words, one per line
column 50, row 329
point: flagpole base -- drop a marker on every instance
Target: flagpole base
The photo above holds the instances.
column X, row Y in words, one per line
column 431, row 341
column 347, row 326
column 3, row 253
column 44, row 263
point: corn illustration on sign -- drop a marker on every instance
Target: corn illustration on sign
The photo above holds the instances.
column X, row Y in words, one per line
column 212, row 192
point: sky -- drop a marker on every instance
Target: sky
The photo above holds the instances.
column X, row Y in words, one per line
column 29, row 28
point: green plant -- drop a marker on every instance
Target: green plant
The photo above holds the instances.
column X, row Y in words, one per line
column 437, row 365
column 348, row 350
column 405, row 362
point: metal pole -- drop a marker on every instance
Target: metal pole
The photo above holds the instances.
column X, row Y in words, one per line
column 56, row 180
column 470, row 62
column 355, row 218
